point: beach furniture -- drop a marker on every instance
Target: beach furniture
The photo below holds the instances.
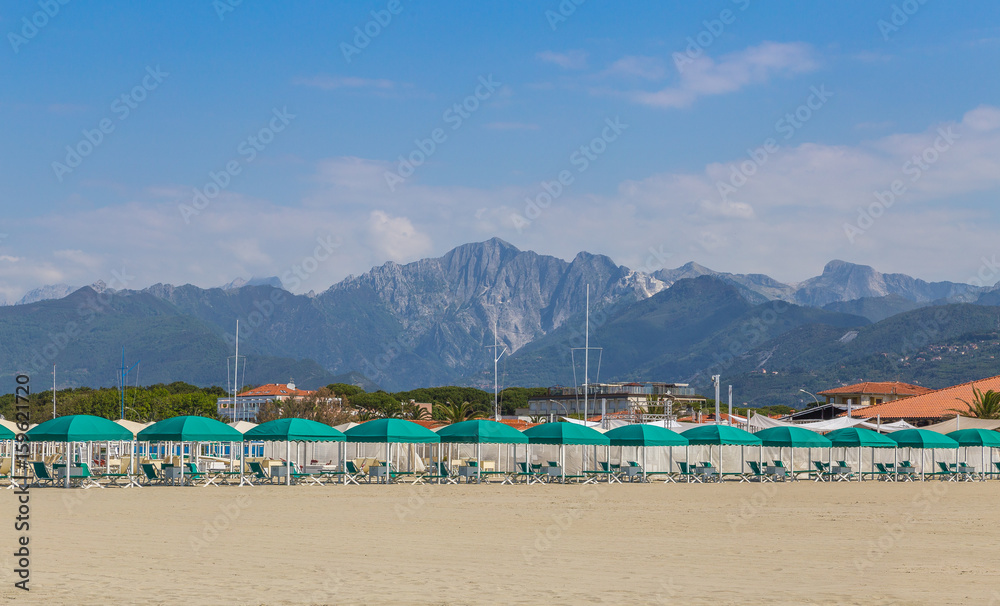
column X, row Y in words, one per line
column 150, row 473
column 351, row 473
column 842, row 472
column 299, row 476
column 42, row 477
column 707, row 472
column 80, row 475
column 258, row 473
column 527, row 472
column 947, row 472
column 686, row 473
column 996, row 465
column 757, row 473
column 884, row 473
column 823, row 473
column 441, row 472
column 605, row 471
column 193, row 475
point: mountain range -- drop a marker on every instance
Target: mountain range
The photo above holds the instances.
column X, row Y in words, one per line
column 432, row 322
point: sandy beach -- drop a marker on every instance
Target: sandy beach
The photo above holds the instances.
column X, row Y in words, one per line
column 803, row 543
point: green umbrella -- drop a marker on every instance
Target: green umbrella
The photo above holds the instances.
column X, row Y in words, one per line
column 922, row 438
column 854, row 437
column 717, row 435
column 481, row 431
column 294, row 430
column 385, row 431
column 983, row 438
column 793, row 437
column 645, row 435
column 290, row 430
column 391, row 431
column 859, row 437
column 189, row 429
column 6, row 434
column 78, row 428
column 976, row 437
column 563, row 434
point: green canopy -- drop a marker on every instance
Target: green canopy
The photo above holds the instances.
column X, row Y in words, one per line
column 853, row 437
column 720, row 434
column 565, row 433
column 481, row 431
column 6, row 434
column 794, row 437
column 78, row 428
column 294, row 430
column 645, row 435
column 189, row 429
column 922, row 438
column 976, row 437
column 386, row 431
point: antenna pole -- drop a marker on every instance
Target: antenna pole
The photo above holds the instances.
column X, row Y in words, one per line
column 730, row 404
column 496, row 361
column 53, row 391
column 715, row 381
column 236, row 366
column 586, row 356
column 121, row 383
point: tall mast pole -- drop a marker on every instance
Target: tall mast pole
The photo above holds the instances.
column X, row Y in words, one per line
column 236, row 369
column 496, row 361
column 53, row 391
column 586, row 356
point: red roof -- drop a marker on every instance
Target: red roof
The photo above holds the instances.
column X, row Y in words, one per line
column 274, row 389
column 877, row 388
column 933, row 405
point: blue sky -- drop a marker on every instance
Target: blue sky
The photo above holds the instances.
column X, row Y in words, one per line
column 704, row 164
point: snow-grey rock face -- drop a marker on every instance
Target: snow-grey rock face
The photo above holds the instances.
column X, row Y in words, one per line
column 842, row 281
column 44, row 293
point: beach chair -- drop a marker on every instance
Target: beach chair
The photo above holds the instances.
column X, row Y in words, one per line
column 42, row 476
column 884, row 473
column 822, row 473
column 996, row 465
column 192, row 475
column 947, row 472
column 844, row 473
column 710, row 472
column 150, row 474
column 257, row 470
column 352, row 474
column 439, row 472
column 299, row 476
column 528, row 472
column 756, row 473
column 685, row 473
column 85, row 479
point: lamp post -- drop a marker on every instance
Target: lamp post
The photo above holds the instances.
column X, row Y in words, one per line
column 815, row 399
column 563, row 406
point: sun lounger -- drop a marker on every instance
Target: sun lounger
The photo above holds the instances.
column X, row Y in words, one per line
column 42, row 477
column 822, row 473
column 756, row 473
column 352, row 474
column 258, row 473
column 884, row 473
column 527, row 472
column 686, row 474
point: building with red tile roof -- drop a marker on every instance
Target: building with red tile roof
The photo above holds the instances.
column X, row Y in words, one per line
column 930, row 407
column 870, row 393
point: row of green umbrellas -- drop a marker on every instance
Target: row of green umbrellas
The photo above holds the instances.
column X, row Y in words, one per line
column 87, row 428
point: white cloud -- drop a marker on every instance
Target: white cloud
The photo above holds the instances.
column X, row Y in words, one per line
column 647, row 68
column 704, row 76
column 326, row 82
column 396, row 237
column 787, row 220
column 574, row 59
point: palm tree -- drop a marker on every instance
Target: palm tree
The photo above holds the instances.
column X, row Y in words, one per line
column 416, row 413
column 985, row 405
column 456, row 413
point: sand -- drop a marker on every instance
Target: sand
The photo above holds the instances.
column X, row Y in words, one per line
column 803, row 543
